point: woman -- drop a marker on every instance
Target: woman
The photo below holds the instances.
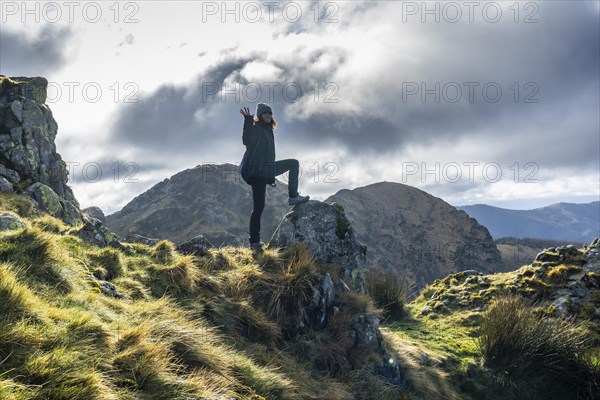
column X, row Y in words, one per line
column 258, row 137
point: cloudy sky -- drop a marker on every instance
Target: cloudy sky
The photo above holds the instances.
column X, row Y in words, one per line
column 473, row 102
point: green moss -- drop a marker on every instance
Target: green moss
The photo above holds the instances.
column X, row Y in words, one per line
column 342, row 221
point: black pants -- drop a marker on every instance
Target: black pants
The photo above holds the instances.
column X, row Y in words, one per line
column 259, row 189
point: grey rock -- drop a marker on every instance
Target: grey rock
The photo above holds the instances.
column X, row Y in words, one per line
column 366, row 334
column 10, row 221
column 48, row 201
column 106, row 288
column 135, row 238
column 17, row 109
column 321, row 303
column 327, row 233
column 16, row 134
column 198, row 245
column 9, row 174
column 71, row 214
column 562, row 306
column 94, row 232
column 5, row 185
column 390, row 370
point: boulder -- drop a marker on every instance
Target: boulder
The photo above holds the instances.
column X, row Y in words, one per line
column 10, row 221
column 328, row 235
column 365, row 331
column 95, row 232
column 48, row 201
column 198, row 245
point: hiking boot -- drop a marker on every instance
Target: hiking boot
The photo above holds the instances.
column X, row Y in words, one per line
column 297, row 200
column 257, row 245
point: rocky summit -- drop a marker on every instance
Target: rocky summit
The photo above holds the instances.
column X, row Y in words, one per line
column 210, row 200
column 328, row 234
column 416, row 234
column 29, row 163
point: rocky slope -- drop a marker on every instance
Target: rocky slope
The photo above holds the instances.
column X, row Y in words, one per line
column 418, row 235
column 29, row 163
column 211, row 200
column 568, row 222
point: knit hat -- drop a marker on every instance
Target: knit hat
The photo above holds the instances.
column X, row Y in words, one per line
column 262, row 108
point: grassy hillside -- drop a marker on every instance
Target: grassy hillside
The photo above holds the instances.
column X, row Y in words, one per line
column 217, row 326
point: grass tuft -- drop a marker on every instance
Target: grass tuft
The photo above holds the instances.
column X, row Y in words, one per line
column 18, row 204
column 389, row 291
column 108, row 262
column 533, row 352
column 38, row 255
column 164, row 251
column 48, row 223
column 179, row 278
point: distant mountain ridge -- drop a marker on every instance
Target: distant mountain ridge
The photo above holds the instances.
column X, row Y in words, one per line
column 561, row 221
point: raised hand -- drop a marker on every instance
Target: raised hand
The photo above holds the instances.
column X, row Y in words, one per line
column 245, row 111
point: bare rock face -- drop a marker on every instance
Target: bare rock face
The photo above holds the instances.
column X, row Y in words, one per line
column 327, row 233
column 29, row 163
column 415, row 233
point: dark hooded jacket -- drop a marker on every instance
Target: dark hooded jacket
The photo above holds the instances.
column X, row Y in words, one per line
column 260, row 145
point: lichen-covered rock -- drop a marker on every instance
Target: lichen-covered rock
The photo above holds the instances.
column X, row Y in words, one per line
column 48, row 201
column 366, row 332
column 10, row 221
column 198, row 245
column 94, row 232
column 328, row 234
column 27, row 147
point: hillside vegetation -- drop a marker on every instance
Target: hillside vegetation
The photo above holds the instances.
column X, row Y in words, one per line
column 78, row 321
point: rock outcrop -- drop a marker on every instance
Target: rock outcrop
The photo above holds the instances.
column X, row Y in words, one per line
column 211, row 200
column 10, row 221
column 328, row 234
column 416, row 234
column 29, row 163
column 563, row 281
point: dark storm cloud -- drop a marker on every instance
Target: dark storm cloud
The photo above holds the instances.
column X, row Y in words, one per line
column 44, row 53
column 555, row 61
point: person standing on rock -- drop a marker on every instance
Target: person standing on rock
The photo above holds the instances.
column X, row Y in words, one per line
column 258, row 137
